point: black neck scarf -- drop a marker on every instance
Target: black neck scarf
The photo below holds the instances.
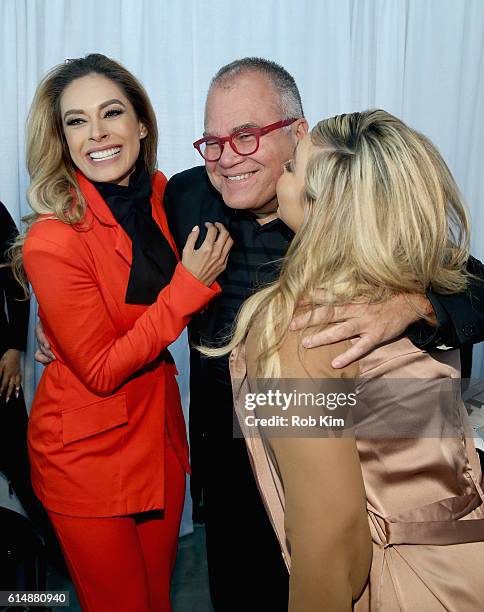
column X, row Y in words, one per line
column 154, row 261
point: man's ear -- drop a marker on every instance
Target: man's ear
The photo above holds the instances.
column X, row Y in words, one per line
column 302, row 128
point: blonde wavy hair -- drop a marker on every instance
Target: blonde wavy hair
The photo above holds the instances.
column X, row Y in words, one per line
column 383, row 215
column 53, row 187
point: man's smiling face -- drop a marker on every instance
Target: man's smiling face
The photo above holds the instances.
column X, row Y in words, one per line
column 248, row 182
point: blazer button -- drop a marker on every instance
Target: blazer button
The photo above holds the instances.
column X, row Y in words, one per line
column 469, row 330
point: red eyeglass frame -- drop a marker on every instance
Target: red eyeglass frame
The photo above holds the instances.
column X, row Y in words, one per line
column 258, row 132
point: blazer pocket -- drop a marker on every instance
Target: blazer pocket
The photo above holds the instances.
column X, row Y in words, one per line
column 94, row 418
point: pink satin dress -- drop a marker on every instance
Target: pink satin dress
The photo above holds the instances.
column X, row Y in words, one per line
column 421, row 472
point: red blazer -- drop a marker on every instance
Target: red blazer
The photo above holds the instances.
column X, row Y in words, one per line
column 99, row 417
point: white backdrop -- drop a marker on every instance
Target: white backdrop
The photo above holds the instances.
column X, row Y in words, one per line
column 420, row 59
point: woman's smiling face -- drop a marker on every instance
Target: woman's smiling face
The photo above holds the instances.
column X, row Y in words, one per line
column 101, row 129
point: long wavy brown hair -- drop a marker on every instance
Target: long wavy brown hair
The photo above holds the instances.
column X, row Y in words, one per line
column 53, row 187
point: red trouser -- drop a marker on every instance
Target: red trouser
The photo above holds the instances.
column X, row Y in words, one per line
column 124, row 564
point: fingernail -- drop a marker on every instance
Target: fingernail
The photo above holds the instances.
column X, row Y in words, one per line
column 6, row 401
column 195, row 228
column 307, row 343
column 337, row 364
column 292, row 326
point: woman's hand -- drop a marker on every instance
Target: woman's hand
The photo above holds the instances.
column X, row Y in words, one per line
column 10, row 376
column 207, row 262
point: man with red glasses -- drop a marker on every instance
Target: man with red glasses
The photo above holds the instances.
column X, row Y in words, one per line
column 253, row 121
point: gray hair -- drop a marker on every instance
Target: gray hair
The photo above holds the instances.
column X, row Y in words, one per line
column 281, row 80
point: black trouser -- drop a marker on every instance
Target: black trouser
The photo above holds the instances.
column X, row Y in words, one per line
column 245, row 564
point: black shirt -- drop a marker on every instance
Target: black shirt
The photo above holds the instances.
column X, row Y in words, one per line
column 255, row 261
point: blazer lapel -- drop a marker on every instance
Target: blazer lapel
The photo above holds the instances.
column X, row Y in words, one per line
column 123, row 245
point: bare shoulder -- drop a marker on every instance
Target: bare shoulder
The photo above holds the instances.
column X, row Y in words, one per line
column 300, row 362
column 297, row 361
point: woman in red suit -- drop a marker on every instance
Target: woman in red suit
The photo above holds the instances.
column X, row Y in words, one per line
column 106, row 434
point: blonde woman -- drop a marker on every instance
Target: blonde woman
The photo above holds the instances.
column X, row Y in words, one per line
column 106, row 434
column 377, row 213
